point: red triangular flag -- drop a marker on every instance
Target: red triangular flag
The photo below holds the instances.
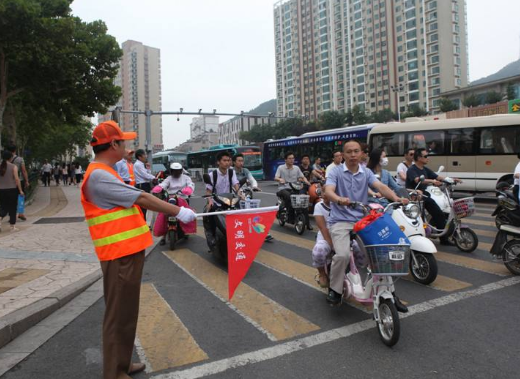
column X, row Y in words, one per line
column 246, row 233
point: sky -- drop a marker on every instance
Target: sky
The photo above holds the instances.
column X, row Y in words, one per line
column 219, row 54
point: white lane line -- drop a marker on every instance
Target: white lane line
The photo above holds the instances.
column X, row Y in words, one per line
column 325, row 337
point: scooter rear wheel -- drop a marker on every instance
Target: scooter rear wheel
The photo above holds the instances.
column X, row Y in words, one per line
column 466, row 241
column 511, row 256
column 389, row 326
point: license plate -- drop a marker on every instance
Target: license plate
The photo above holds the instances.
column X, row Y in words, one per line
column 396, row 255
column 173, row 219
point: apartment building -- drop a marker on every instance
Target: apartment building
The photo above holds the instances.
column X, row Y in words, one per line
column 335, row 54
column 229, row 131
column 139, row 77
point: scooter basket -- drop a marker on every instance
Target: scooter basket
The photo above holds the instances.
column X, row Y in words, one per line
column 300, row 201
column 464, row 207
column 249, row 203
column 389, row 259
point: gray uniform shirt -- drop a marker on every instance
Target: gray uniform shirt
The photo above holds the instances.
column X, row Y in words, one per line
column 289, row 175
column 106, row 191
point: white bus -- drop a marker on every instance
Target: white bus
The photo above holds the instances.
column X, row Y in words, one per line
column 481, row 151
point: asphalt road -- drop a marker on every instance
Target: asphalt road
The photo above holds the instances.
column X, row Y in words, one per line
column 279, row 325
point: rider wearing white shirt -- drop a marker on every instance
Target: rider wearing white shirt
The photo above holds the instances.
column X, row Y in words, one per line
column 177, row 180
column 403, row 167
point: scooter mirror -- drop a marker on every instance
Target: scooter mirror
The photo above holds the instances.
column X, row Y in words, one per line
column 207, row 179
column 441, row 169
column 421, row 178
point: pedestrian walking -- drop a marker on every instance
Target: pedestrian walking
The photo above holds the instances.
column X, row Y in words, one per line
column 19, row 162
column 64, row 174
column 72, row 174
column 120, row 236
column 78, row 173
column 10, row 188
column 46, row 173
column 56, row 173
column 143, row 174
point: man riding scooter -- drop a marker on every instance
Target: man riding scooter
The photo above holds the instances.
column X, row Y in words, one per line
column 412, row 179
column 285, row 174
column 176, row 182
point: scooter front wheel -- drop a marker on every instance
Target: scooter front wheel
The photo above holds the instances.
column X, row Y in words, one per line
column 466, row 240
column 388, row 326
column 300, row 223
column 425, row 271
column 172, row 237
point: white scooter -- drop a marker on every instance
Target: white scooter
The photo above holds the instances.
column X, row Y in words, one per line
column 423, row 265
column 454, row 210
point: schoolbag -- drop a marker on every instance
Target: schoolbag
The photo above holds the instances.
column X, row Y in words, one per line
column 230, row 175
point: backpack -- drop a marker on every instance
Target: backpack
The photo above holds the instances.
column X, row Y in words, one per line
column 230, row 175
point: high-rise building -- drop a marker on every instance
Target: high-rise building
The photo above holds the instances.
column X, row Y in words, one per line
column 139, row 77
column 335, row 54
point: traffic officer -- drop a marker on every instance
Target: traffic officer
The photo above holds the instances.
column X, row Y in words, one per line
column 120, row 236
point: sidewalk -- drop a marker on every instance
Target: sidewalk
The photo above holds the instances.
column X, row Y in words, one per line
column 47, row 263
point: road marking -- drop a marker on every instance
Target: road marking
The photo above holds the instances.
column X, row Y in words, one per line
column 485, row 233
column 299, row 272
column 300, row 344
column 274, row 320
column 484, row 246
column 293, row 240
column 477, row 222
column 475, row 264
column 443, row 283
column 158, row 326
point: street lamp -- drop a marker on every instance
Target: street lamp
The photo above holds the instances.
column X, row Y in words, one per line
column 398, row 89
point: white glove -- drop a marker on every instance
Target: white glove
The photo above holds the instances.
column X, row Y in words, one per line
column 186, row 215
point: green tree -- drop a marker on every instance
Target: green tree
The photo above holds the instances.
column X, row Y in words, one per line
column 493, row 97
column 471, row 101
column 349, row 118
column 50, row 59
column 446, row 105
column 510, row 91
column 414, row 111
column 383, row 116
column 331, row 120
column 359, row 117
column 258, row 133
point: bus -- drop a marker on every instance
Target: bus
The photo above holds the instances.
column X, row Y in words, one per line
column 162, row 160
column 315, row 144
column 481, row 151
column 205, row 161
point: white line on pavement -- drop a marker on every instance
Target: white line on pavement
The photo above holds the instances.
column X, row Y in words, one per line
column 325, row 337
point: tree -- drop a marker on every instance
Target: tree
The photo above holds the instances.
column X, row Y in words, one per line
column 384, row 116
column 359, row 117
column 331, row 120
column 55, row 60
column 493, row 97
column 471, row 101
column 414, row 110
column 349, row 118
column 511, row 91
column 446, row 105
column 258, row 133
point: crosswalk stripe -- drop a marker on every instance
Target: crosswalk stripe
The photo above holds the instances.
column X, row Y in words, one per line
column 485, row 233
column 473, row 221
column 484, row 245
column 293, row 240
column 274, row 320
column 444, row 283
column 158, row 326
column 475, row 264
column 298, row 271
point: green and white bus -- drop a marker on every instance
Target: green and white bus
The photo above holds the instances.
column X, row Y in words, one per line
column 205, row 161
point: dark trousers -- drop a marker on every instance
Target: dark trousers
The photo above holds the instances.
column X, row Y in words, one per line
column 9, row 203
column 122, row 288
column 515, row 191
column 47, row 178
column 285, row 195
column 146, row 187
column 438, row 220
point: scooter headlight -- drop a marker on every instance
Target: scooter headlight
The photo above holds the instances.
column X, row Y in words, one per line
column 224, row 200
column 412, row 211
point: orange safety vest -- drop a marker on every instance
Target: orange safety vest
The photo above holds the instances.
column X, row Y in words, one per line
column 131, row 173
column 115, row 232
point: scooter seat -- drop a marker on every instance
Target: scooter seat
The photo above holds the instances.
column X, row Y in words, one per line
column 510, row 229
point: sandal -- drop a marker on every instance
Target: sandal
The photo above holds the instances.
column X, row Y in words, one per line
column 322, row 280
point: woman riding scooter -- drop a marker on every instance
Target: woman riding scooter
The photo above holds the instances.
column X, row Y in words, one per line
column 175, row 182
column 377, row 160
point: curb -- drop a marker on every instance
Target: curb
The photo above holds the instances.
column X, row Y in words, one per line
column 21, row 320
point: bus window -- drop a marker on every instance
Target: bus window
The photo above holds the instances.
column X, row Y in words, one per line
column 499, row 140
column 431, row 141
column 392, row 144
column 460, row 141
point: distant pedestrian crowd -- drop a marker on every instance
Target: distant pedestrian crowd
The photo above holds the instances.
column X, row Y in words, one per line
column 65, row 173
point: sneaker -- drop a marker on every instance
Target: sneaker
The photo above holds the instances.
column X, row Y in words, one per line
column 22, row 217
column 333, row 297
column 400, row 306
column 269, row 238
